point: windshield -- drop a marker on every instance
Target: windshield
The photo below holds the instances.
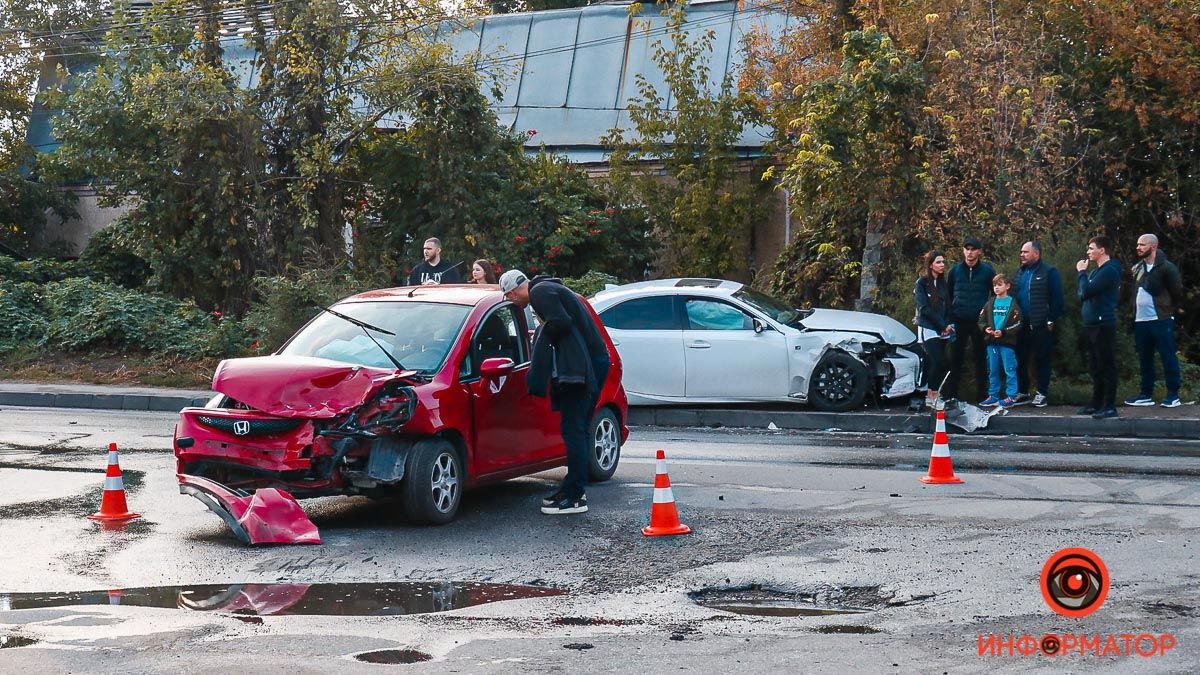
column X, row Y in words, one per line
column 424, row 333
column 773, row 308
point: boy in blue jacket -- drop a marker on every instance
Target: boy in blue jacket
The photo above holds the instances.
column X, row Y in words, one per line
column 1098, row 290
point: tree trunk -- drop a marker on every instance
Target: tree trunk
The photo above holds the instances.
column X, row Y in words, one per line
column 872, row 254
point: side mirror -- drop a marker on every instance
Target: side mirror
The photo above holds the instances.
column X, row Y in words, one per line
column 494, row 368
column 759, row 327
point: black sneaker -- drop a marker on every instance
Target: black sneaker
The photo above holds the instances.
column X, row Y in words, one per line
column 1104, row 414
column 554, row 498
column 1021, row 398
column 565, row 506
column 1086, row 410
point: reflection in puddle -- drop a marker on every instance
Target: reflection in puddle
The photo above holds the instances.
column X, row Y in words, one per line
column 391, row 656
column 755, row 600
column 351, row 599
column 847, row 628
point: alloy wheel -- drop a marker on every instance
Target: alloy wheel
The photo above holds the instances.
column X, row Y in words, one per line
column 606, row 443
column 445, row 482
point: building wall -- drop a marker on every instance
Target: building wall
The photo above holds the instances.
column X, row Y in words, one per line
column 71, row 236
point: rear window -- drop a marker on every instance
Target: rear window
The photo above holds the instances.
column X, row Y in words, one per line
column 654, row 313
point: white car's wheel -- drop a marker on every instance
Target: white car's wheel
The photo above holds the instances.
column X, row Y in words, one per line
column 839, row 383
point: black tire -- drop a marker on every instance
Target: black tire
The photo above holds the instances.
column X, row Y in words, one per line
column 839, row 383
column 605, row 451
column 433, row 483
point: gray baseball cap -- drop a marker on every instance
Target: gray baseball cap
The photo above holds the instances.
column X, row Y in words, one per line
column 511, row 280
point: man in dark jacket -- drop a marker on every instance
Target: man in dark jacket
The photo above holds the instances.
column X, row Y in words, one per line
column 1038, row 288
column 1159, row 292
column 570, row 362
column 1099, row 290
column 970, row 285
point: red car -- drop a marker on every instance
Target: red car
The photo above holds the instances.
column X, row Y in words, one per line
column 416, row 392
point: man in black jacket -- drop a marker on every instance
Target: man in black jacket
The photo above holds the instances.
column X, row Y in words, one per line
column 570, row 362
column 1159, row 295
column 970, row 285
column 1038, row 288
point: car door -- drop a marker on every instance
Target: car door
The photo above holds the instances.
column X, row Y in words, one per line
column 725, row 358
column 648, row 335
column 510, row 425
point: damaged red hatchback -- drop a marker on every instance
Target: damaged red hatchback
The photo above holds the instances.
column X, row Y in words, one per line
column 414, row 392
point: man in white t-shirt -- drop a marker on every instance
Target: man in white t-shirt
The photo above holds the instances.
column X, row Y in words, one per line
column 1159, row 291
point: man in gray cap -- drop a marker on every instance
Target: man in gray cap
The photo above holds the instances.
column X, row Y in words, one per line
column 570, row 363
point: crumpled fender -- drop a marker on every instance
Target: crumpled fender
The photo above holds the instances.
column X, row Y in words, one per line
column 269, row 516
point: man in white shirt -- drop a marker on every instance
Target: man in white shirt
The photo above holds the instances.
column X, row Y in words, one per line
column 1159, row 291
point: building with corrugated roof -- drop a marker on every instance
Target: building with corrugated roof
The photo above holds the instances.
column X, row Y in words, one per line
column 567, row 78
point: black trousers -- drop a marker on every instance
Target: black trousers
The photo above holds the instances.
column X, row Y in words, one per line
column 964, row 331
column 575, row 407
column 935, row 363
column 1035, row 346
column 1102, row 358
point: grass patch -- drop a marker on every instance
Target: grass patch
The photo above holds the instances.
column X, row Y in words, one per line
column 120, row 368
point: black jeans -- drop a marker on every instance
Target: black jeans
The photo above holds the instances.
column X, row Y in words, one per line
column 967, row 330
column 1158, row 336
column 935, row 360
column 575, row 406
column 1036, row 344
column 1103, row 360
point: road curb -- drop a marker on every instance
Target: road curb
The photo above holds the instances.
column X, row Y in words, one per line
column 894, row 423
column 99, row 401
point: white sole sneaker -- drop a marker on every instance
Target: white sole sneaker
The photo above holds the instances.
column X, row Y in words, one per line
column 1173, row 403
column 1141, row 403
column 557, row 510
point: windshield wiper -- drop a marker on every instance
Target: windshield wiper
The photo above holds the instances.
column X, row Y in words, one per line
column 366, row 329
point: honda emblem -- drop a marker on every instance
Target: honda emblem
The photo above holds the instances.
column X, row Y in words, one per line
column 241, row 427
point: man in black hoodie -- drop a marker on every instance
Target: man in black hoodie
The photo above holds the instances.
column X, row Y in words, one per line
column 570, row 363
column 970, row 285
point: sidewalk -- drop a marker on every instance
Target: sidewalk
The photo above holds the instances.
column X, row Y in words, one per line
column 1176, row 423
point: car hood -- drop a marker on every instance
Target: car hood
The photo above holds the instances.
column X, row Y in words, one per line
column 299, row 386
column 887, row 328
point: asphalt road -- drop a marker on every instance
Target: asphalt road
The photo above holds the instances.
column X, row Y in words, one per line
column 791, row 523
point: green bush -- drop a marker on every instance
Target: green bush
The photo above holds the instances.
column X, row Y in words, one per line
column 287, row 303
column 23, row 326
column 40, row 270
column 590, row 283
column 78, row 314
column 111, row 254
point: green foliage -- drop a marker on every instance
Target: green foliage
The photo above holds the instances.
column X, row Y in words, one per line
column 590, row 283
column 681, row 171
column 80, row 314
column 287, row 303
column 111, row 254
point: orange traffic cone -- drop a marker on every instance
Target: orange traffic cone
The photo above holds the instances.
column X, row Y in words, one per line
column 941, row 469
column 114, row 596
column 112, row 505
column 664, row 518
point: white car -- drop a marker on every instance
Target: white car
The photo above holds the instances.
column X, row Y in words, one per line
column 712, row 341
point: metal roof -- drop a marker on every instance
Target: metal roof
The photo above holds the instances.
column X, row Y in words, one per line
column 567, row 76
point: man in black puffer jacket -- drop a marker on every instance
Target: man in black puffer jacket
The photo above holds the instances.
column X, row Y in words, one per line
column 1038, row 288
column 970, row 286
column 570, row 363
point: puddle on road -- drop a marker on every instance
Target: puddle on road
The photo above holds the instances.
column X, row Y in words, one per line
column 393, row 656
column 7, row 641
column 757, row 601
column 351, row 599
column 846, row 628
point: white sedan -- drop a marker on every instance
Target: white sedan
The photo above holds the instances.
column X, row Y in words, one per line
column 712, row 341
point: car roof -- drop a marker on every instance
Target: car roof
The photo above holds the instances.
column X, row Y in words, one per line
column 455, row 294
column 676, row 286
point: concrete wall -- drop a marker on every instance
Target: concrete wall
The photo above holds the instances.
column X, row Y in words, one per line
column 71, row 236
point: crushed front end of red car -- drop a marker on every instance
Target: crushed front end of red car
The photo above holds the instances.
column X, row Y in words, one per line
column 300, row 424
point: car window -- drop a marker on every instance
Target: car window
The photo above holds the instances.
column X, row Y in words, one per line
column 654, row 313
column 421, row 334
column 715, row 315
column 498, row 337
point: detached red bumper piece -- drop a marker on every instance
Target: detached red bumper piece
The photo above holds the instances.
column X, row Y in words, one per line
column 268, row 516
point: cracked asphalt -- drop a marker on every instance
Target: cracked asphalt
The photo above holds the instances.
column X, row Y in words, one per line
column 915, row 573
